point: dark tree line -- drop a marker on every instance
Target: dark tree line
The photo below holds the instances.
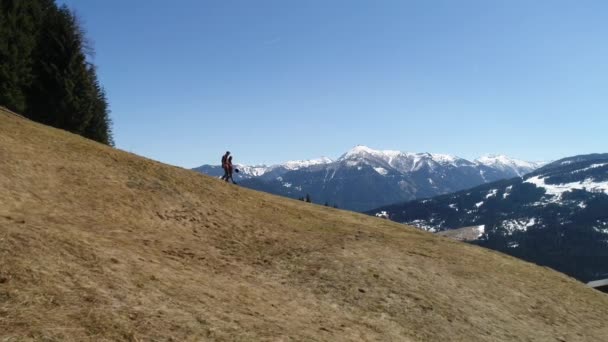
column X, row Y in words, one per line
column 44, row 71
column 305, row 199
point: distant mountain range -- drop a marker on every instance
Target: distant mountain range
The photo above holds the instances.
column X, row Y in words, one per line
column 555, row 216
column 364, row 178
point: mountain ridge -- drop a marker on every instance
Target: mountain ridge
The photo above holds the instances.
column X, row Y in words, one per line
column 356, row 151
column 364, row 178
column 556, row 215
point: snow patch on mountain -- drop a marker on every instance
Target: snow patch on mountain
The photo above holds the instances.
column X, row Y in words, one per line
column 481, row 230
column 482, row 173
column 601, row 230
column 381, row 170
column 521, row 225
column 507, row 191
column 592, row 166
column 383, row 214
column 492, row 193
column 557, row 190
column 422, row 224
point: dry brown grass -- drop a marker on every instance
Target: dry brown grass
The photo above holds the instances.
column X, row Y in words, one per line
column 97, row 244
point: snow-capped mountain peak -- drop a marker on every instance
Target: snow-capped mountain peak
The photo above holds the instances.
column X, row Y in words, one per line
column 500, row 161
column 381, row 176
column 361, row 151
column 298, row 164
column 402, row 162
column 254, row 171
column 260, row 170
column 497, row 159
column 443, row 158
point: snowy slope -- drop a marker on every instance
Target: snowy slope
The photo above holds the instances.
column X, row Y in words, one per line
column 553, row 215
column 505, row 163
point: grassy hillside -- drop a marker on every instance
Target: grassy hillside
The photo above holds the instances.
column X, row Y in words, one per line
column 96, row 244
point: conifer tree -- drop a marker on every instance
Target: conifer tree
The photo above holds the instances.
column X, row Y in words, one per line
column 62, row 93
column 44, row 71
column 19, row 29
column 99, row 128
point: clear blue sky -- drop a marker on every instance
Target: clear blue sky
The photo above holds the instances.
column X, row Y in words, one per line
column 286, row 79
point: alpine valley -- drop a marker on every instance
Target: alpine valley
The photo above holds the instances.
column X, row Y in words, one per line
column 556, row 216
column 364, row 178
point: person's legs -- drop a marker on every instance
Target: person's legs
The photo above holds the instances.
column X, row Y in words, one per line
column 230, row 168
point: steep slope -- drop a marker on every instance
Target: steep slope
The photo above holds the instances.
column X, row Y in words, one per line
column 364, row 178
column 98, row 244
column 555, row 216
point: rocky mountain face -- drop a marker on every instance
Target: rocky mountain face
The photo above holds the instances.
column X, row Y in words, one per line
column 555, row 216
column 364, row 178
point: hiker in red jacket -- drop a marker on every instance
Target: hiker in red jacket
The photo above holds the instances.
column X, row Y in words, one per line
column 225, row 166
column 230, row 169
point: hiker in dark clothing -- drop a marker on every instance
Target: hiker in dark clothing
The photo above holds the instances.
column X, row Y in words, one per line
column 225, row 166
